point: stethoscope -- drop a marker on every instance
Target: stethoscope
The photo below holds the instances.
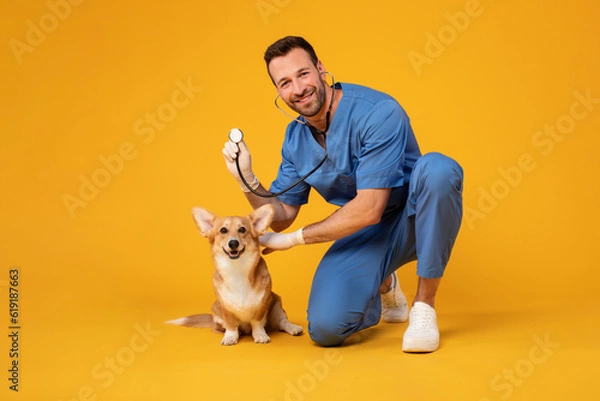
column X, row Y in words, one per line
column 236, row 136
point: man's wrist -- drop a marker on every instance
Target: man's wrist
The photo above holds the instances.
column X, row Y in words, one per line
column 299, row 237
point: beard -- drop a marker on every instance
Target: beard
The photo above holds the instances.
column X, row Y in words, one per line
column 313, row 106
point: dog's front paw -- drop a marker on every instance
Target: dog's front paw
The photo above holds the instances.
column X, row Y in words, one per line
column 229, row 341
column 261, row 338
column 295, row 330
column 292, row 329
column 230, row 338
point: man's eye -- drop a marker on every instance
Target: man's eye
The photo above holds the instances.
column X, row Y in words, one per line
column 223, row 230
column 242, row 230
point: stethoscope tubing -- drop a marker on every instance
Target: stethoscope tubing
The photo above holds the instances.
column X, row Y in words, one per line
column 235, row 135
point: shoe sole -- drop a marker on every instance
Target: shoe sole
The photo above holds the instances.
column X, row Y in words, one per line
column 395, row 319
column 420, row 346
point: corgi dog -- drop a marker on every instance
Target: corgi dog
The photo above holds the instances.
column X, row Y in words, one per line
column 244, row 302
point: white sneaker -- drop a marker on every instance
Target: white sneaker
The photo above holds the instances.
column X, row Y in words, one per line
column 422, row 334
column 394, row 307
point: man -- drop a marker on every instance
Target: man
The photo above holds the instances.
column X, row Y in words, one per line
column 395, row 204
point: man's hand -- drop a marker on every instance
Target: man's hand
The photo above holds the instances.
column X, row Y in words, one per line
column 281, row 242
column 231, row 151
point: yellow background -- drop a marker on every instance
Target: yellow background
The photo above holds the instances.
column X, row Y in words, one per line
column 524, row 269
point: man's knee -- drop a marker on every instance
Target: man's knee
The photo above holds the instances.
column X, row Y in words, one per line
column 329, row 329
column 325, row 332
column 440, row 172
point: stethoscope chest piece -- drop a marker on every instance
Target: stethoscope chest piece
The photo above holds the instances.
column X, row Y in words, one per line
column 236, row 135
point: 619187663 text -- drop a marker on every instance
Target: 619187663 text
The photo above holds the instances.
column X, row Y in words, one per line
column 14, row 328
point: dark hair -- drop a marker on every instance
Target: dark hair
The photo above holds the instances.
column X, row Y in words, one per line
column 285, row 45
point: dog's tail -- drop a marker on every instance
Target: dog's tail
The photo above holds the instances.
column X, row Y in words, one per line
column 203, row 320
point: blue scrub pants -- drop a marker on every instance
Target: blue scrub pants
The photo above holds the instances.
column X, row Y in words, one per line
column 345, row 291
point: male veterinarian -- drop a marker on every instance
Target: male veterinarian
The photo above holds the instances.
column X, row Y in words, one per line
column 395, row 204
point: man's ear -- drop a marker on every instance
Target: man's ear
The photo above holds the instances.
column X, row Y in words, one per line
column 321, row 67
column 261, row 218
column 204, row 220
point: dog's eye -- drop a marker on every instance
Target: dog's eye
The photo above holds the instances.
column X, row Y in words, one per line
column 242, row 230
column 223, row 230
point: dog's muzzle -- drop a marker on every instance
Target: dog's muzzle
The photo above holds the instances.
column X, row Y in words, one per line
column 234, row 252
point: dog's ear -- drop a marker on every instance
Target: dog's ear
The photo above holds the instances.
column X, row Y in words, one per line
column 204, row 220
column 261, row 218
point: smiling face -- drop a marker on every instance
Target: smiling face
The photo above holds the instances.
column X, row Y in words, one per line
column 234, row 235
column 299, row 82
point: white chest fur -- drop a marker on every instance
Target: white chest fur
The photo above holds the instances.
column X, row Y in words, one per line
column 235, row 291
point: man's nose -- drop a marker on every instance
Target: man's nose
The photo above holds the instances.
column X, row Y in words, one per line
column 297, row 87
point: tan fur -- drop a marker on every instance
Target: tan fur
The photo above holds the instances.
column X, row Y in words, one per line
column 245, row 303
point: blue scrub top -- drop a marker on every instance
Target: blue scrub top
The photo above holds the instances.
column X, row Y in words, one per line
column 370, row 145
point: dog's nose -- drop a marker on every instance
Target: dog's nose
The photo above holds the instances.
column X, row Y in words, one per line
column 234, row 244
